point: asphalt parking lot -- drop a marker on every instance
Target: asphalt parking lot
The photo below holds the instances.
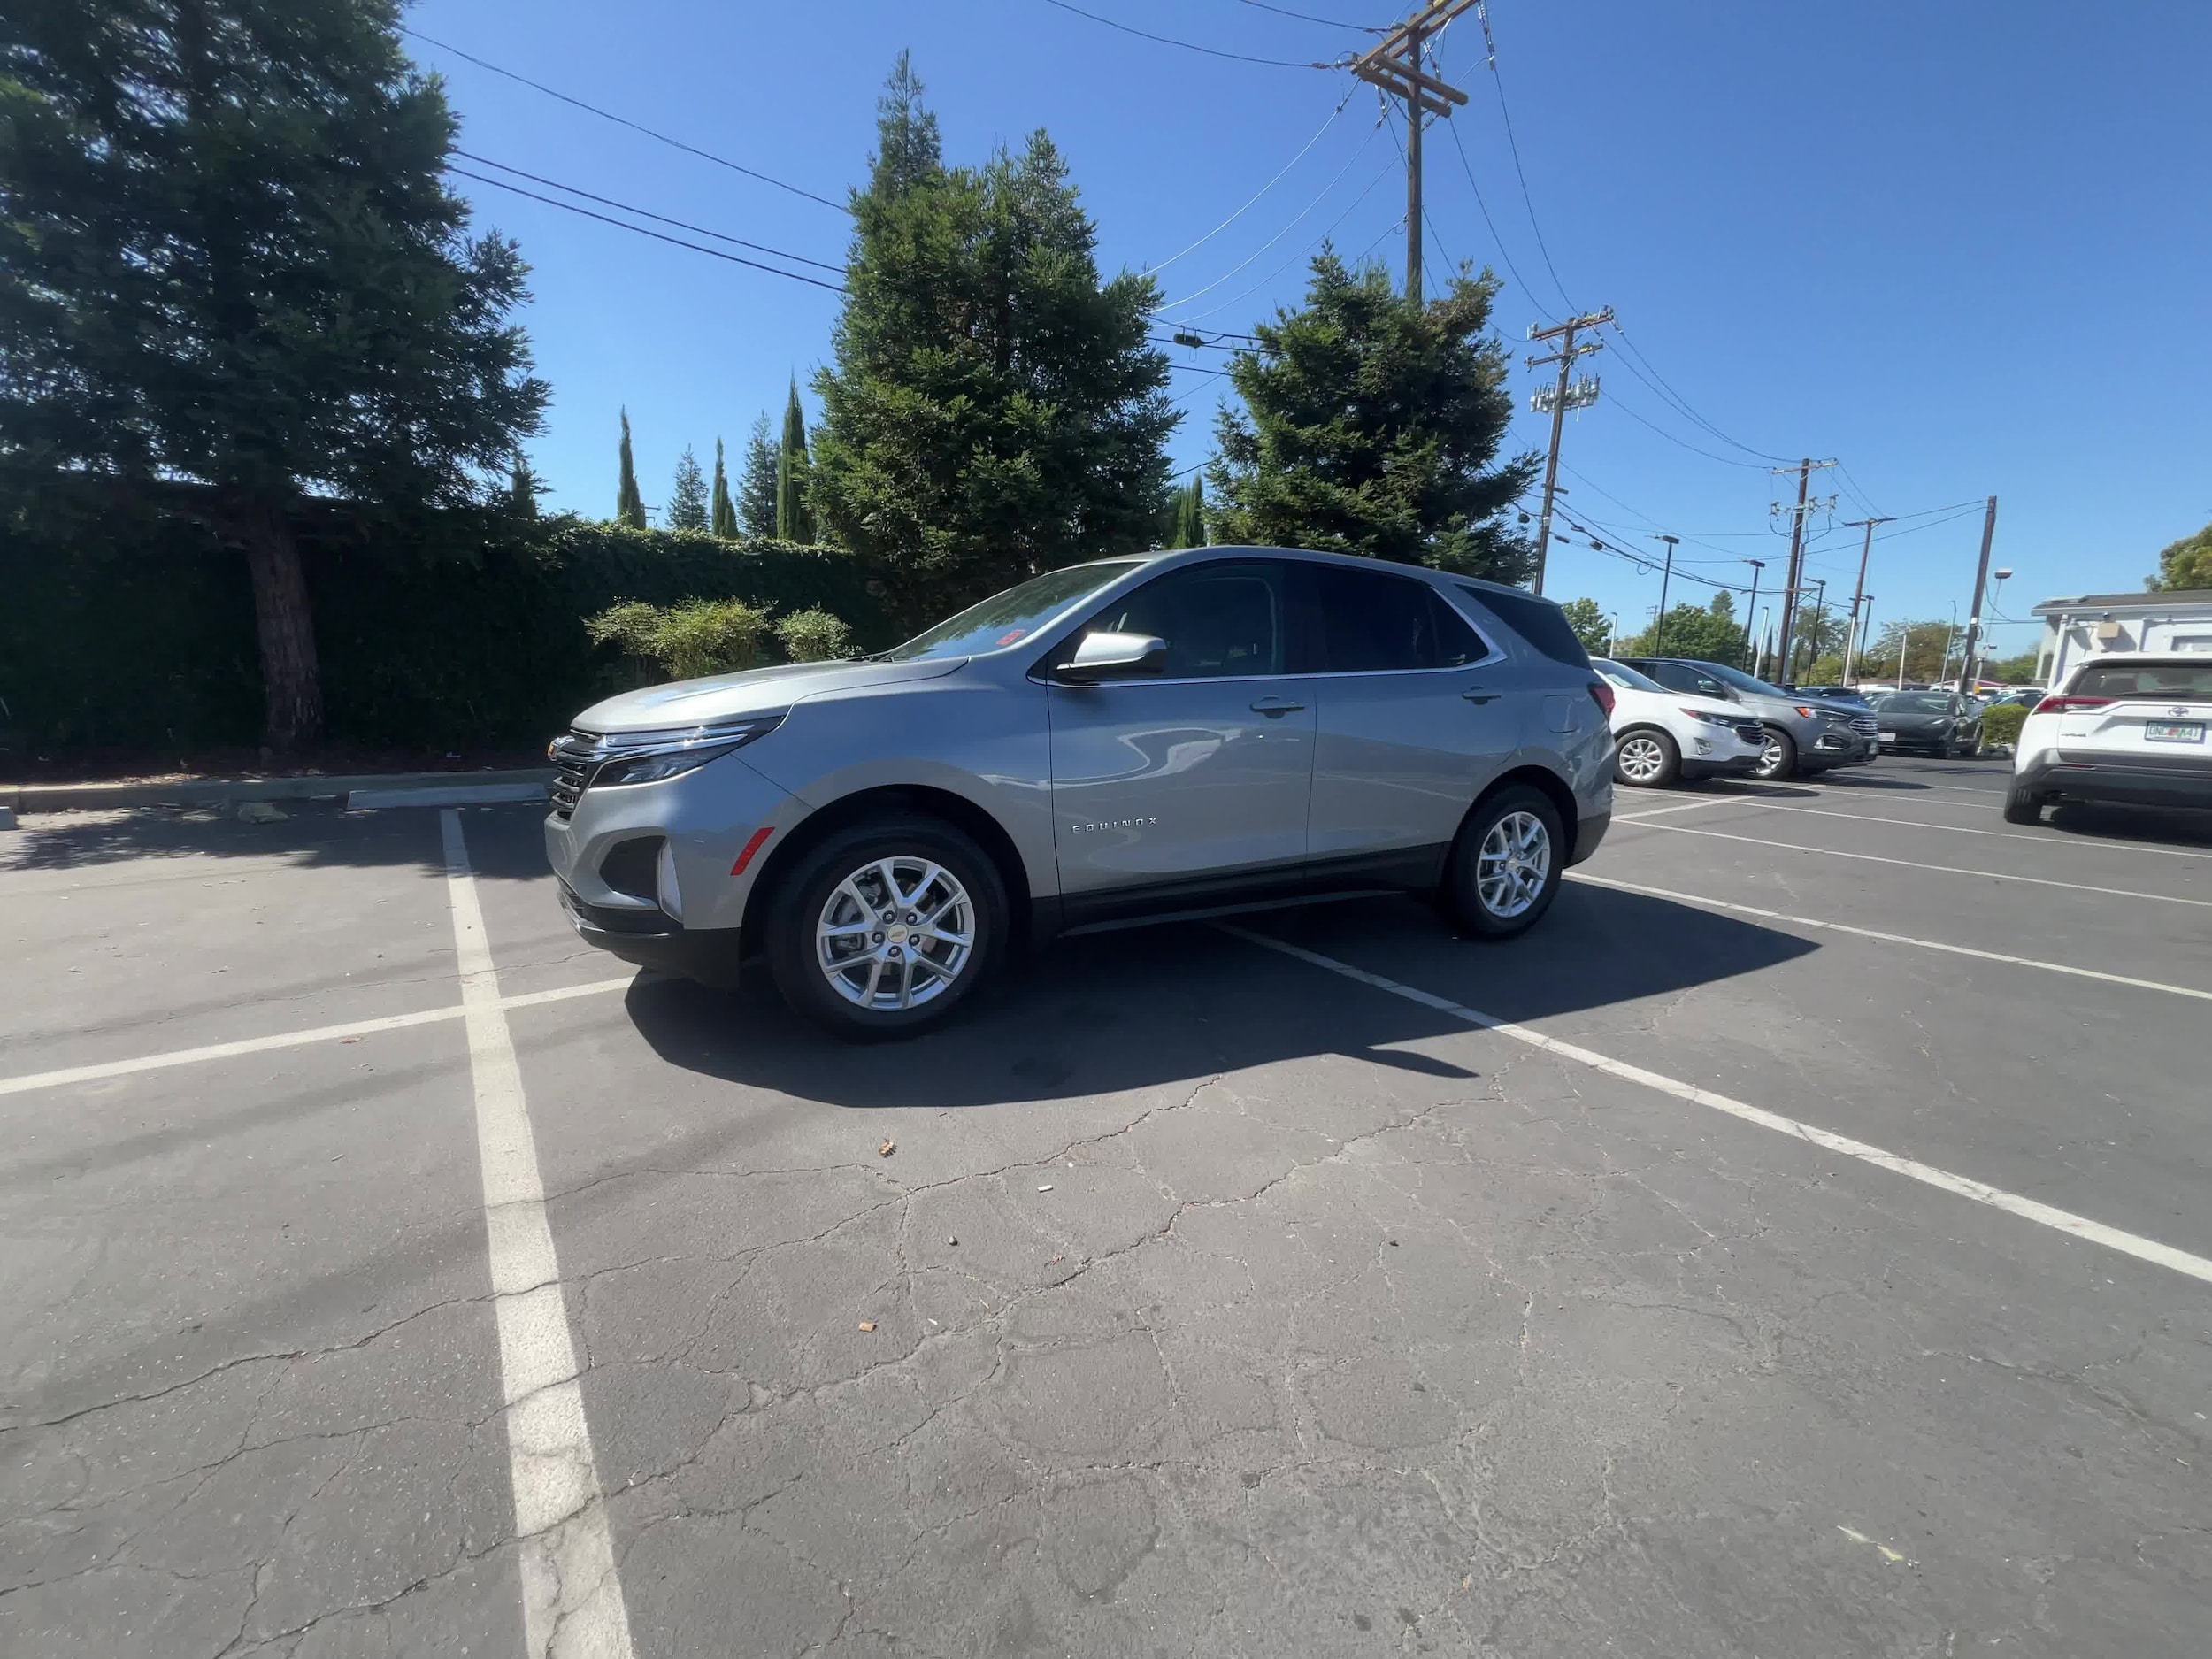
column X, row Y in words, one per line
column 1797, row 1247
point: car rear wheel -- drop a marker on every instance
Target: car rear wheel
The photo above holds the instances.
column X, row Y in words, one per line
column 1506, row 863
column 887, row 928
column 1777, row 757
column 2023, row 806
column 1647, row 758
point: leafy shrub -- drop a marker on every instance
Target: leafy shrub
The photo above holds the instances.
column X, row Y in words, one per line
column 687, row 641
column 814, row 636
column 2001, row 723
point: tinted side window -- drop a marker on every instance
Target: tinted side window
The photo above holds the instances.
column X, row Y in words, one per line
column 1539, row 621
column 1371, row 623
column 1674, row 676
column 1458, row 642
column 1219, row 620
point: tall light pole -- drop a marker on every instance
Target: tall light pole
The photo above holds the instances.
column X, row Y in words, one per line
column 1659, row 634
column 1751, row 610
column 1981, row 580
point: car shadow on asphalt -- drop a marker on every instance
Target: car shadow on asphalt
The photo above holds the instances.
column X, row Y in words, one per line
column 505, row 842
column 1124, row 1011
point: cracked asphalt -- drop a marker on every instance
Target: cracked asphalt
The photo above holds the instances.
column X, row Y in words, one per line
column 1210, row 1302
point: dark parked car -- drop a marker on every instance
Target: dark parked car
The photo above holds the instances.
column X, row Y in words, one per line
column 1835, row 694
column 1930, row 722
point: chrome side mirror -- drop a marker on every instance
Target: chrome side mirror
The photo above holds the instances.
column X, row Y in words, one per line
column 1112, row 656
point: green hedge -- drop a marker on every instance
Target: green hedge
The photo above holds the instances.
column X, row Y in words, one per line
column 467, row 630
column 2003, row 723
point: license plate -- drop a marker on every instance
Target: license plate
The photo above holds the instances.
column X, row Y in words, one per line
column 1889, row 737
column 2173, row 732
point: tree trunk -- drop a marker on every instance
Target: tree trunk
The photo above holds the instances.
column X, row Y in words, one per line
column 284, row 619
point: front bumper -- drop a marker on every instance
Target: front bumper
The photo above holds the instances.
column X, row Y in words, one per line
column 1721, row 766
column 2148, row 781
column 1833, row 748
column 650, row 939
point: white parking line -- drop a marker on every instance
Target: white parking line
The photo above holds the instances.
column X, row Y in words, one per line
column 1891, row 939
column 2144, row 1249
column 292, row 1039
column 1948, row 870
column 1951, row 829
column 1710, row 799
column 570, row 1588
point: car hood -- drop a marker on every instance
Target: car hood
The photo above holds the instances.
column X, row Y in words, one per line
column 1905, row 720
column 689, row 703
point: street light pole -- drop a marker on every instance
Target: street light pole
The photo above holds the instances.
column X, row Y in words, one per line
column 1751, row 612
column 1659, row 634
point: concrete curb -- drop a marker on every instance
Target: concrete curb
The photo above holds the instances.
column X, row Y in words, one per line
column 453, row 788
column 456, row 794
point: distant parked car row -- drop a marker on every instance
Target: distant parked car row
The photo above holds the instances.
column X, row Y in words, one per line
column 1796, row 732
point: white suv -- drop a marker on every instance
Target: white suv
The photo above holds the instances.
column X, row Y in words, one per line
column 2124, row 727
column 1660, row 736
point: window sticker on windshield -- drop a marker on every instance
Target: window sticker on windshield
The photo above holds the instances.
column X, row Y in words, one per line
column 1010, row 635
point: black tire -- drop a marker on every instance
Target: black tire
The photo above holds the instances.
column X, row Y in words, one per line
column 1464, row 876
column 2023, row 806
column 1780, row 759
column 1666, row 758
column 906, row 844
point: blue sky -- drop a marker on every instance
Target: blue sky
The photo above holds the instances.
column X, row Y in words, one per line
column 1962, row 248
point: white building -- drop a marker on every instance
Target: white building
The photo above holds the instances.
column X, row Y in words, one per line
column 2098, row 622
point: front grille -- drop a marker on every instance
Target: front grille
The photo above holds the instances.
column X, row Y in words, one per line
column 1755, row 735
column 572, row 768
column 1866, row 725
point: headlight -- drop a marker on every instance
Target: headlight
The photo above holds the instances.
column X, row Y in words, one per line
column 1710, row 718
column 674, row 755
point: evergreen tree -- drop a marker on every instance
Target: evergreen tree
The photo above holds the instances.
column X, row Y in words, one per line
column 523, row 487
column 2184, row 565
column 687, row 499
column 756, row 486
column 232, row 278
column 629, row 506
column 1708, row 632
column 1371, row 424
column 1590, row 625
column 993, row 408
column 1186, row 516
column 794, row 521
column 724, row 520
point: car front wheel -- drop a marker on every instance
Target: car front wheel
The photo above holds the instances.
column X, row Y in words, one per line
column 1646, row 759
column 887, row 928
column 1777, row 757
column 1506, row 863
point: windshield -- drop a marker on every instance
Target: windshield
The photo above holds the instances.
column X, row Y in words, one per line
column 1913, row 702
column 1742, row 681
column 1621, row 675
column 1010, row 617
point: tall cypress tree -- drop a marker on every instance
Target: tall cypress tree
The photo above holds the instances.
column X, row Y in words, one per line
column 523, row 487
column 994, row 407
column 687, row 499
column 1191, row 532
column 233, row 282
column 629, row 506
column 794, row 521
column 725, row 512
column 757, row 484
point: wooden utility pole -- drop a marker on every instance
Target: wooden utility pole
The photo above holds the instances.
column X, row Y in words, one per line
column 1564, row 396
column 1751, row 613
column 1974, row 615
column 1858, row 593
column 1804, row 469
column 1393, row 63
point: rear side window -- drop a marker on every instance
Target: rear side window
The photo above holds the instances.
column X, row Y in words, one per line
column 2172, row 682
column 1373, row 623
column 1539, row 621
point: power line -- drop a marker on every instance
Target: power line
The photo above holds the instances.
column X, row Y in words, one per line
column 607, row 201
column 640, row 230
column 1189, row 46
column 1262, row 190
column 1513, row 143
column 1216, row 310
column 623, row 121
column 1526, row 290
column 1726, row 460
column 1308, row 17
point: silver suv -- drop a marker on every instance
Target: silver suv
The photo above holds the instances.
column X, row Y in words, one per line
column 1139, row 737
column 1804, row 733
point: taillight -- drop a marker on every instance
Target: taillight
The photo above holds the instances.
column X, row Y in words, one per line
column 2059, row 705
column 1603, row 693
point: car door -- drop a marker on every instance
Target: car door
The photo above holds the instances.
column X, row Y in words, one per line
column 1418, row 712
column 1197, row 773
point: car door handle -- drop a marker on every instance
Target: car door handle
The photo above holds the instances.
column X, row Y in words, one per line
column 1476, row 693
column 1273, row 706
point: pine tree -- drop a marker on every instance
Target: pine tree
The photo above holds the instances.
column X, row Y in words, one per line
column 629, row 506
column 233, row 278
column 1193, row 531
column 723, row 521
column 756, row 486
column 687, row 499
column 793, row 522
column 523, row 487
column 1371, row 424
column 994, row 408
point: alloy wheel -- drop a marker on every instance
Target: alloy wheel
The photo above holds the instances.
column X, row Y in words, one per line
column 895, row 933
column 1514, row 864
column 1640, row 760
column 1770, row 756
